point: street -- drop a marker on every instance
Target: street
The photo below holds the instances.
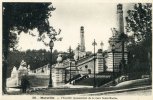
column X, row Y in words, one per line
column 142, row 92
column 133, row 93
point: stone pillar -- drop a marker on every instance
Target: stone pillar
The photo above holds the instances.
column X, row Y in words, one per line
column 99, row 61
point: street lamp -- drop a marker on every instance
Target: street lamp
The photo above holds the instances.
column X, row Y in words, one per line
column 94, row 44
column 51, row 33
column 70, row 50
column 101, row 44
column 78, row 50
column 51, row 45
column 123, row 38
column 113, row 51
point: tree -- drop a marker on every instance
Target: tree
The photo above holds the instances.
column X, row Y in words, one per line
column 34, row 58
column 22, row 17
column 139, row 22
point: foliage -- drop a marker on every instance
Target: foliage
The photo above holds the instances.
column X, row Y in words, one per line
column 34, row 58
column 139, row 23
column 22, row 17
column 25, row 16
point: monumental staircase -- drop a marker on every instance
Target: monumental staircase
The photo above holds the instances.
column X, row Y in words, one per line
column 88, row 80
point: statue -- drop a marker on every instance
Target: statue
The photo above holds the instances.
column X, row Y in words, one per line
column 22, row 70
column 14, row 72
column 59, row 59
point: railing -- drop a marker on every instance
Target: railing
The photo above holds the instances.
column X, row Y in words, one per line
column 80, row 79
column 72, row 79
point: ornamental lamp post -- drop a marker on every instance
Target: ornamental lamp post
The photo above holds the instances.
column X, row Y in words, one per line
column 51, row 33
column 51, row 45
column 123, row 38
column 70, row 50
column 101, row 44
column 113, row 51
column 78, row 50
column 94, row 44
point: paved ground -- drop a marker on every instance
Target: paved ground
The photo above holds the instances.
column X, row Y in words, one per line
column 85, row 91
column 145, row 92
column 133, row 93
column 70, row 89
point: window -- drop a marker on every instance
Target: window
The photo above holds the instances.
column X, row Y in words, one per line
column 89, row 71
column 86, row 66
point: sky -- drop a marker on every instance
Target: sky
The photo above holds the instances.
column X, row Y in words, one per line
column 96, row 17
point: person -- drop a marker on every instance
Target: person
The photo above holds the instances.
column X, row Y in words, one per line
column 24, row 84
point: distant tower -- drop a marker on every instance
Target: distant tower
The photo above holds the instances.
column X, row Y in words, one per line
column 120, row 21
column 80, row 50
column 82, row 42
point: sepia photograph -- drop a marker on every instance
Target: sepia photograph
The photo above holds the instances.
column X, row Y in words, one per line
column 76, row 48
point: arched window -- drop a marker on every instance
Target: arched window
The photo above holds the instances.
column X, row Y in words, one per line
column 89, row 71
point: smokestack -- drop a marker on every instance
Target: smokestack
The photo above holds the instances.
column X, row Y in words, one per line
column 82, row 42
column 120, row 21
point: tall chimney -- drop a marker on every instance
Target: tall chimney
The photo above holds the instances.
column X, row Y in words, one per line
column 120, row 21
column 82, row 42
